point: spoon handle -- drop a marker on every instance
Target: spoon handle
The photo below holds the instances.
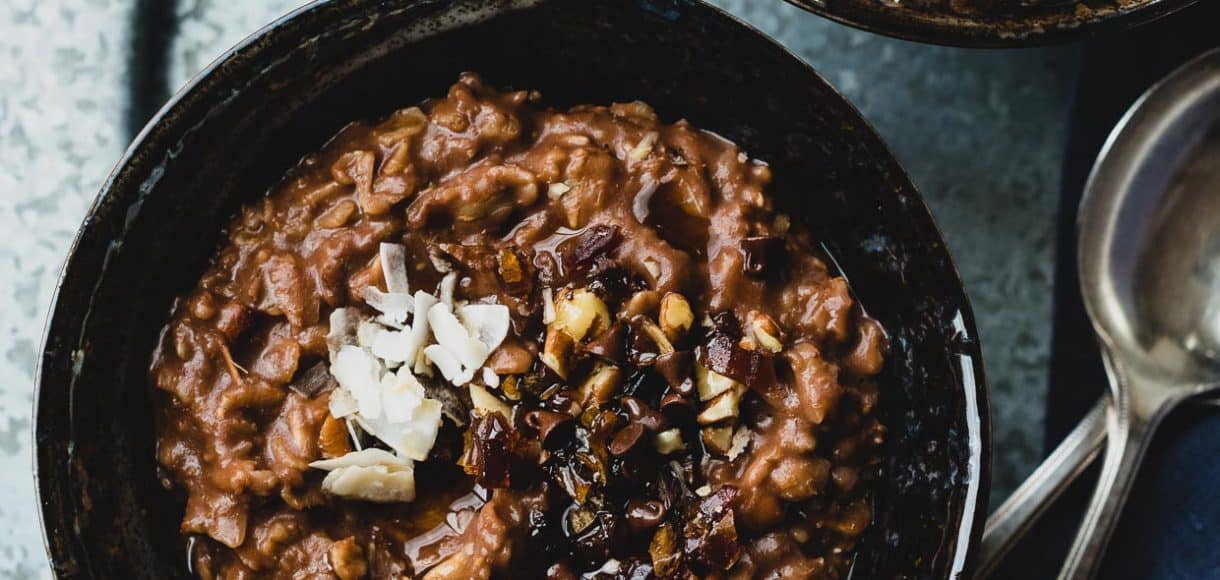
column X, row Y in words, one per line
column 1022, row 509
column 1127, row 438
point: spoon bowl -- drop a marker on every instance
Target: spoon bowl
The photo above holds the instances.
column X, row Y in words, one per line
column 1149, row 255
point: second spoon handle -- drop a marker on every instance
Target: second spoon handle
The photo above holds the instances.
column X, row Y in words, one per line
column 1022, row 509
column 1127, row 438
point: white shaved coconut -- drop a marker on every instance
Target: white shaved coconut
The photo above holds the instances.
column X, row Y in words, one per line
column 396, row 346
column 485, row 402
column 453, row 336
column 359, row 372
column 420, row 330
column 394, row 306
column 378, row 483
column 370, row 474
column 401, row 393
column 365, row 458
column 413, row 438
column 342, row 404
column 366, row 333
column 422, row 368
column 448, row 285
column 420, row 434
column 490, row 378
column 449, row 365
column 343, row 325
column 394, row 268
column 487, row 323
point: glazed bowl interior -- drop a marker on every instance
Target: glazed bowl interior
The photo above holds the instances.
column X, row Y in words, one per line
column 281, row 94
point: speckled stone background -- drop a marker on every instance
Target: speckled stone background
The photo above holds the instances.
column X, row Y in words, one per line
column 981, row 132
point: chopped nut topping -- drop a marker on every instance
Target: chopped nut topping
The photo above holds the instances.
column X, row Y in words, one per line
column 579, row 312
column 722, row 407
column 718, row 439
column 676, row 317
column 668, row 442
column 556, row 350
column 766, row 332
column 601, row 384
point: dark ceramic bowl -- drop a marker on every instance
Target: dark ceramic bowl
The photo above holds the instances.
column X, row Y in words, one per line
column 230, row 135
column 993, row 23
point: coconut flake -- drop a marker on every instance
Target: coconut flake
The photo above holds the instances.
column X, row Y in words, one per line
column 488, row 323
column 369, row 474
column 342, row 404
column 366, row 333
column 396, row 346
column 394, row 306
column 419, row 326
column 420, row 433
column 401, row 394
column 359, row 372
column 453, row 337
column 394, row 268
column 365, row 458
column 378, row 483
column 449, row 365
column 490, row 378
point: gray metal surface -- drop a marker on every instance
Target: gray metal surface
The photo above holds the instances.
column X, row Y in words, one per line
column 981, row 133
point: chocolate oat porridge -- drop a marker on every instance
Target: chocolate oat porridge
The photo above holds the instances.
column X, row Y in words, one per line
column 486, row 339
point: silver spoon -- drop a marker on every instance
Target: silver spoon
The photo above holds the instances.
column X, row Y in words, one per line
column 1149, row 254
column 1017, row 514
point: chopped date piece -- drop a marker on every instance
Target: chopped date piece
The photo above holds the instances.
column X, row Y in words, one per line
column 752, row 368
column 591, row 248
column 492, row 451
column 593, row 348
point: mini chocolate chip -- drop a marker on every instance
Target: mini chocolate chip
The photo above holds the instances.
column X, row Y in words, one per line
column 609, row 344
column 626, row 439
column 675, row 367
column 677, row 407
column 641, row 413
column 553, row 428
column 645, row 514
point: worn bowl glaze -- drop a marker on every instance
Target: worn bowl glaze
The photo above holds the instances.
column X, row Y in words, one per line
column 993, row 23
column 280, row 94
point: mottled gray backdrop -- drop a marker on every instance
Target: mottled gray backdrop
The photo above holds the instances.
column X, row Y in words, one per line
column 980, row 131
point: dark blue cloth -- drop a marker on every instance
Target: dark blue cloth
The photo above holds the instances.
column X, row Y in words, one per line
column 1170, row 528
